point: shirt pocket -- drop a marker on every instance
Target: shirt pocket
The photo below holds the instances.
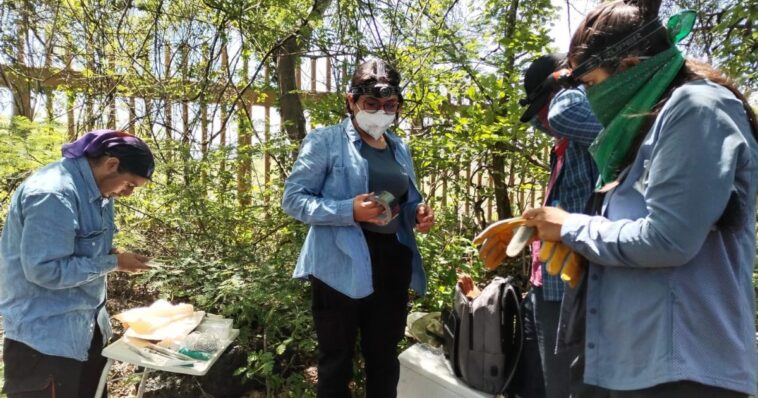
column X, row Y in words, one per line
column 90, row 244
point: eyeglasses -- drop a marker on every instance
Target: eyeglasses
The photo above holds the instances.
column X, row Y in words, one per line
column 373, row 105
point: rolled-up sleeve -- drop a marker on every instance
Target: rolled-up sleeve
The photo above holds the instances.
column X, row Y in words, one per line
column 48, row 245
column 303, row 198
column 691, row 176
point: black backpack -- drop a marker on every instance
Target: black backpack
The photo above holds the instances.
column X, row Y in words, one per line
column 484, row 336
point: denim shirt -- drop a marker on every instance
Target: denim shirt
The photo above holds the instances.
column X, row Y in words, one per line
column 54, row 257
column 328, row 173
column 670, row 294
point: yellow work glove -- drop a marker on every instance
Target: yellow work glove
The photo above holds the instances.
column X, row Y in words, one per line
column 495, row 240
column 558, row 258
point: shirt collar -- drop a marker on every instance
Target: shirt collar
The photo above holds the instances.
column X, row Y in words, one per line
column 89, row 179
column 352, row 133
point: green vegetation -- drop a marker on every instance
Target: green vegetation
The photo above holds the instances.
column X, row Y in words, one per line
column 212, row 216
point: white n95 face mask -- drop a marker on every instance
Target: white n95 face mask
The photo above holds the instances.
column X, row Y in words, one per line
column 375, row 124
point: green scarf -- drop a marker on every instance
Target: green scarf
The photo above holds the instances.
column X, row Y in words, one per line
column 622, row 101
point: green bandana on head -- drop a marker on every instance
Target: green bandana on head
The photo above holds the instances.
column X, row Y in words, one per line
column 622, row 101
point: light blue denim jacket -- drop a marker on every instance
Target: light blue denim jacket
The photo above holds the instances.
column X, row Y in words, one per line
column 54, row 257
column 328, row 173
column 670, row 295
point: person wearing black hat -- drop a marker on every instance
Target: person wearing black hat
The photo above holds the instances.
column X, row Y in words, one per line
column 56, row 249
column 354, row 184
column 564, row 114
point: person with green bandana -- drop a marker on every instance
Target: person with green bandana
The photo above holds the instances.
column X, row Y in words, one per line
column 667, row 307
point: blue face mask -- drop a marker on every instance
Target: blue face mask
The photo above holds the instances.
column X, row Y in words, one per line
column 537, row 123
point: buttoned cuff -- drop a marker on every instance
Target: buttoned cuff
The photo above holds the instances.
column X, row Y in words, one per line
column 572, row 227
column 345, row 212
column 108, row 263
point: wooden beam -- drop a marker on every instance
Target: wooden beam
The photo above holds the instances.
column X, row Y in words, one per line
column 137, row 86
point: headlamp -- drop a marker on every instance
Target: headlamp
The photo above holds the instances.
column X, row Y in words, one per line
column 375, row 90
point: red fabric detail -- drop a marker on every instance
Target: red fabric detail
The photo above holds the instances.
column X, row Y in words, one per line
column 559, row 150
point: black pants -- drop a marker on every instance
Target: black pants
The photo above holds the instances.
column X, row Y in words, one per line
column 380, row 318
column 529, row 382
column 32, row 374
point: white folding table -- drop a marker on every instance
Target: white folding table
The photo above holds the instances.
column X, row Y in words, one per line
column 120, row 351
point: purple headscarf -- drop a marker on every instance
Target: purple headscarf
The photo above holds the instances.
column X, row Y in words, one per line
column 132, row 152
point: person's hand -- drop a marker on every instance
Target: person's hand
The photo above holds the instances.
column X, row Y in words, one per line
column 468, row 287
column 495, row 239
column 131, row 262
column 548, row 221
column 365, row 209
column 558, row 258
column 424, row 218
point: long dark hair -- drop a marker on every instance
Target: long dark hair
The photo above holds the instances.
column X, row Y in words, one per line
column 610, row 23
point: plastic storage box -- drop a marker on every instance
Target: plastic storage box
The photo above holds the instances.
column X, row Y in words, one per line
column 424, row 372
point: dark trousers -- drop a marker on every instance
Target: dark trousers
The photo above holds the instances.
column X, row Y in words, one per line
column 380, row 319
column 541, row 372
column 32, row 374
column 528, row 382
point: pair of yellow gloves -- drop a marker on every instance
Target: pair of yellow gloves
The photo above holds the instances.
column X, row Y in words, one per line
column 508, row 237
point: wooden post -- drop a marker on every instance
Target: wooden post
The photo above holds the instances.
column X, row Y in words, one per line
column 328, row 74
column 244, row 141
column 432, row 187
column 266, row 151
column 313, row 74
column 21, row 88
column 267, row 135
column 512, row 180
column 186, row 133
column 132, row 115
column 70, row 102
column 298, row 77
column 467, row 201
column 479, row 187
column 70, row 116
column 491, row 184
column 49, row 94
column 345, row 78
column 89, row 119
column 168, row 112
column 204, row 144
column 112, row 122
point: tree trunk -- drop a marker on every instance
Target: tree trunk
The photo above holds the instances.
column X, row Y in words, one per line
column 244, row 140
column 291, row 108
column 21, row 87
column 502, row 202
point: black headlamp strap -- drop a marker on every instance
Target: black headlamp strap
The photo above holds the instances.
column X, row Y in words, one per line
column 618, row 49
column 374, row 90
column 554, row 79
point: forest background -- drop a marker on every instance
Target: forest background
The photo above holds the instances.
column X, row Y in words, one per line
column 225, row 90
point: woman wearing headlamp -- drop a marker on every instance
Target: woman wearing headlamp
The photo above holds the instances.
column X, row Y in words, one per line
column 354, row 184
column 670, row 308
